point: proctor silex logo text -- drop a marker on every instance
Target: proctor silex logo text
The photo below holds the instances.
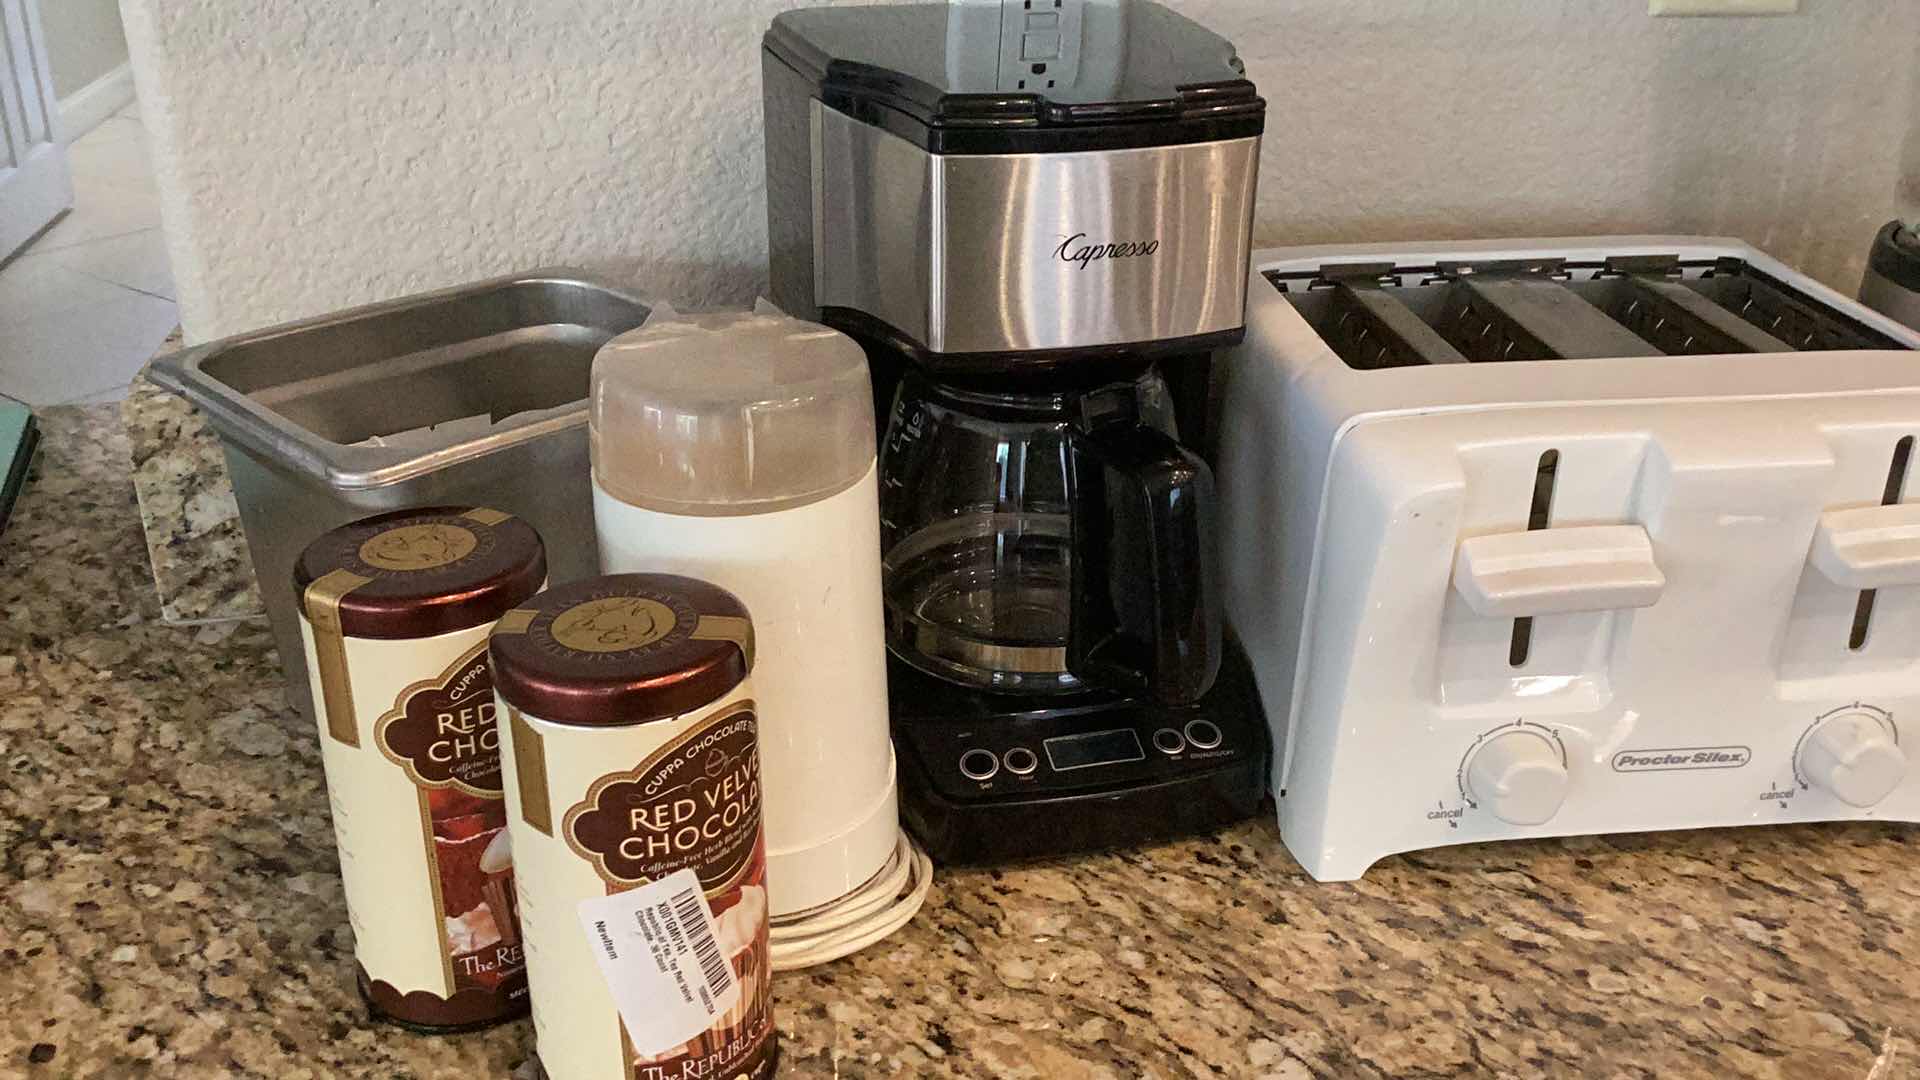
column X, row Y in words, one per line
column 1075, row 249
column 1685, row 757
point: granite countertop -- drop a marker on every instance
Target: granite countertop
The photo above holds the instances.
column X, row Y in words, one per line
column 170, row 904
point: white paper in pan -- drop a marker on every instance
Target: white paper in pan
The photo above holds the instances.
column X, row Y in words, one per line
column 444, row 433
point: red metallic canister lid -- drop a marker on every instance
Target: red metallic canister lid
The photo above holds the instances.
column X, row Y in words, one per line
column 423, row 572
column 621, row 649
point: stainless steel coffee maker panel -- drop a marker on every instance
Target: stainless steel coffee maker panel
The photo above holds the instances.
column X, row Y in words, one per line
column 1017, row 252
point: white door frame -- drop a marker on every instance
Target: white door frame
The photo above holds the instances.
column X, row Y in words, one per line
column 36, row 186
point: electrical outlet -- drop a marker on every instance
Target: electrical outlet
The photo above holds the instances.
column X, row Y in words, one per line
column 1032, row 45
column 1722, row 7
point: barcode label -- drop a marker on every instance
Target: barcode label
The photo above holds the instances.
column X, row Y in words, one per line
column 657, row 950
column 691, row 907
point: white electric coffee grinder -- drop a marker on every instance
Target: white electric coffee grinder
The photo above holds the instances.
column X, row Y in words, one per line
column 739, row 449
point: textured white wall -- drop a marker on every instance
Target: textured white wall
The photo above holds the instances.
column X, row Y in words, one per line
column 330, row 152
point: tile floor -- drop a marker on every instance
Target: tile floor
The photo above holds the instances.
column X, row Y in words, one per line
column 90, row 301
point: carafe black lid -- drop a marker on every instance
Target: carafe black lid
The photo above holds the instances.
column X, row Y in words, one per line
column 1139, row 75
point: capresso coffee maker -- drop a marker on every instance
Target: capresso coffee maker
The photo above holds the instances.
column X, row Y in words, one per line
column 1035, row 219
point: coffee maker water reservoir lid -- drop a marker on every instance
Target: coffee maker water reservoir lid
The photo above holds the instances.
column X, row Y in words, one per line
column 730, row 413
column 982, row 77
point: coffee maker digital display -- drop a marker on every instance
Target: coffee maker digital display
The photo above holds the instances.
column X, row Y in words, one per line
column 1035, row 219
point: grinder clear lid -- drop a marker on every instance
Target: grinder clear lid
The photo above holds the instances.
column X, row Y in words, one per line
column 734, row 413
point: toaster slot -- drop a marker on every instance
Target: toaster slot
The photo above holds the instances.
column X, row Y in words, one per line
column 1680, row 321
column 1511, row 316
column 1743, row 291
column 1375, row 329
column 1361, row 310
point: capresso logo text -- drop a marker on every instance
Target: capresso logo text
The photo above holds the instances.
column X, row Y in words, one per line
column 1075, row 249
column 1686, row 757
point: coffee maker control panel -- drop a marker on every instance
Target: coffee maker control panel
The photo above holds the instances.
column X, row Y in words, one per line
column 1119, row 769
column 1076, row 760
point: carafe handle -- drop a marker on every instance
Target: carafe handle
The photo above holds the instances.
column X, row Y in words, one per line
column 1145, row 611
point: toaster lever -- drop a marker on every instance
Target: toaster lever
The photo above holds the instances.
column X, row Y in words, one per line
column 1869, row 547
column 1517, row 575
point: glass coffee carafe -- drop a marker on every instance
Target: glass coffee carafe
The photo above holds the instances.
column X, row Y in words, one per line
column 1048, row 540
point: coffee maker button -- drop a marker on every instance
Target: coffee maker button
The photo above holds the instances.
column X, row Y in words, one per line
column 1020, row 761
column 979, row 764
column 1169, row 741
column 1203, row 734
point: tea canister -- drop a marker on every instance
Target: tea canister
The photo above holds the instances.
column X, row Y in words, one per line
column 630, row 749
column 395, row 611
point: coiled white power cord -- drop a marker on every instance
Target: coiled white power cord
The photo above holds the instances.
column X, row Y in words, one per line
column 858, row 919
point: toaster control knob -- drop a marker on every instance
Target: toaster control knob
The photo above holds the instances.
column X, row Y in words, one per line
column 1853, row 755
column 1518, row 776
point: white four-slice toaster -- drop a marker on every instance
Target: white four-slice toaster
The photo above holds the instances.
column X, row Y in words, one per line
column 1551, row 537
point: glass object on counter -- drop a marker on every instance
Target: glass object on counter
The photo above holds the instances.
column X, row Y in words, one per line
column 978, row 502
